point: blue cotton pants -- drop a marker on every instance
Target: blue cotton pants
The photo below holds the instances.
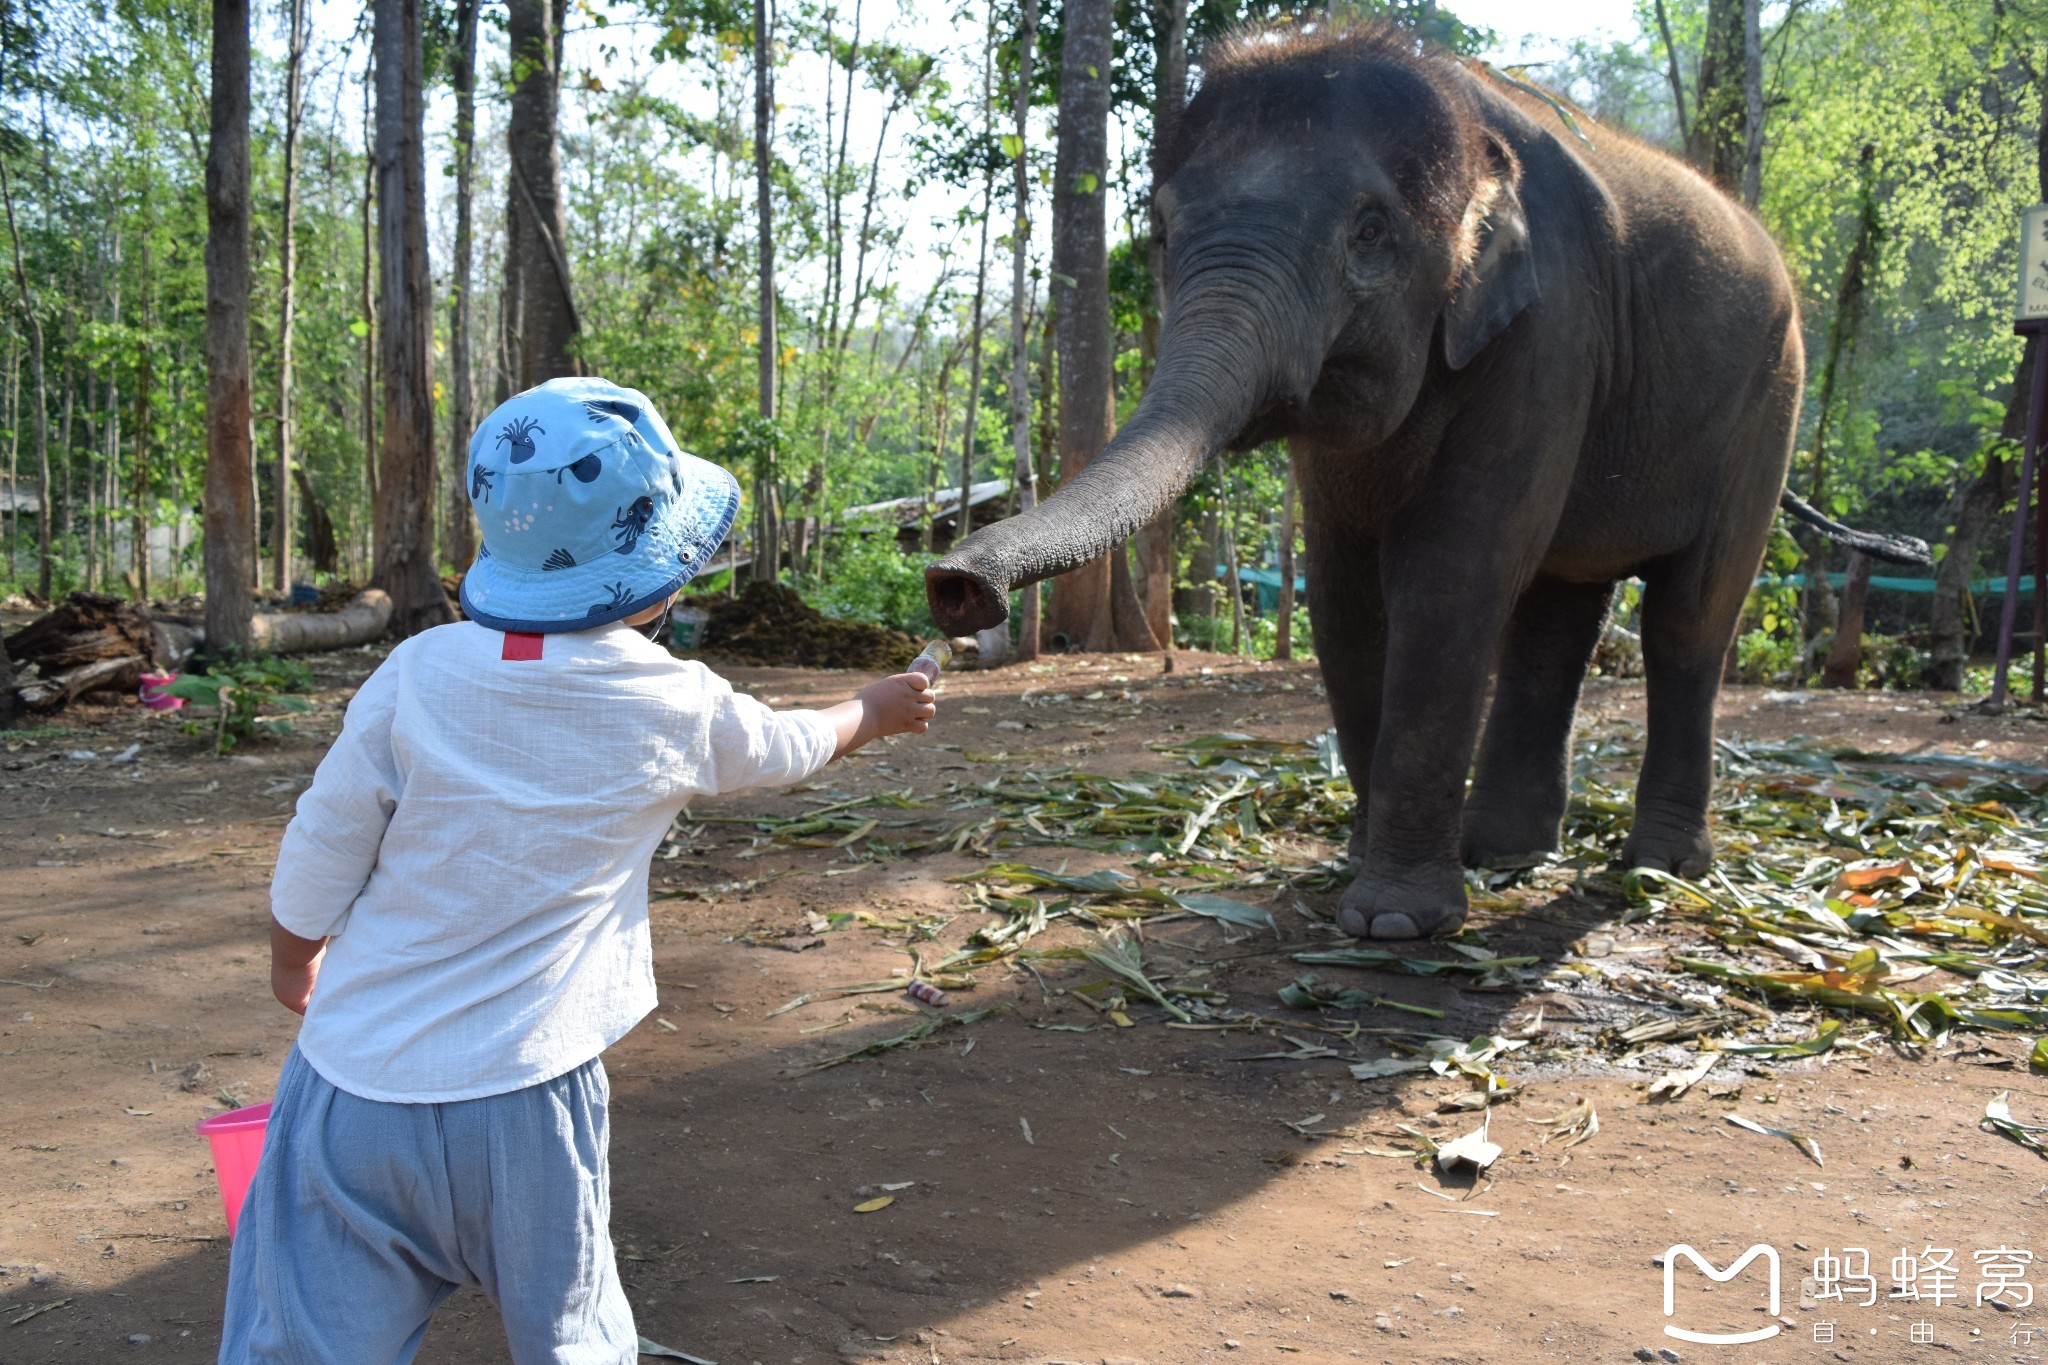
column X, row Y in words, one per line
column 364, row 1216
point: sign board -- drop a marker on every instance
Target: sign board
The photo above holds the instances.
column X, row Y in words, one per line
column 2034, row 264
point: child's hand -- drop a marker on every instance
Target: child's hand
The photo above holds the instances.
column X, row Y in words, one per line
column 897, row 705
column 900, row 704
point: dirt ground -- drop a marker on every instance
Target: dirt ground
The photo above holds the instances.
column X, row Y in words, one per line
column 1149, row 1193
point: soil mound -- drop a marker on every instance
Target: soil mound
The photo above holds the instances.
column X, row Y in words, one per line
column 771, row 625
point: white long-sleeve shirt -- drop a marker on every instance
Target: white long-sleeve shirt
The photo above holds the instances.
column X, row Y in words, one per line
column 476, row 843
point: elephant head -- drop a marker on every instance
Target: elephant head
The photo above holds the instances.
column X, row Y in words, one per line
column 1337, row 218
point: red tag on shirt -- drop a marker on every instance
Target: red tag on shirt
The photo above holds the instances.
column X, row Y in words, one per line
column 520, row 646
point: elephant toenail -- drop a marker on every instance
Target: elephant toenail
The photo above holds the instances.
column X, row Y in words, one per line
column 1394, row 924
column 1352, row 921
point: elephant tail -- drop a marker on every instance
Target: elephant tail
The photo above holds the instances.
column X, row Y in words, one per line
column 1886, row 545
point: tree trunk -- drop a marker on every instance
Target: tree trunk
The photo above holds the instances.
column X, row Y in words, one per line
column 321, row 547
column 459, row 536
column 1232, row 561
column 1717, row 134
column 282, row 522
column 1816, row 598
column 369, row 292
column 9, row 707
column 1677, row 82
column 1975, row 513
column 12, row 526
column 35, row 354
column 366, row 617
column 1977, row 504
column 1024, row 474
column 1845, row 656
column 1080, row 287
column 1720, row 137
column 1283, row 635
column 536, row 230
column 230, row 519
column 405, row 483
column 1170, row 77
column 964, row 523
column 142, row 490
column 1752, row 103
column 767, row 535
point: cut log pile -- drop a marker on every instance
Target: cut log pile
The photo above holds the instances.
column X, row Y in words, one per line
column 94, row 643
column 89, row 643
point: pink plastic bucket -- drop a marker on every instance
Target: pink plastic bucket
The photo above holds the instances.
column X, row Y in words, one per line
column 155, row 693
column 237, row 1141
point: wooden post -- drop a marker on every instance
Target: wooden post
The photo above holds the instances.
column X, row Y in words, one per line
column 1283, row 637
column 1845, row 656
column 2036, row 332
column 1024, row 476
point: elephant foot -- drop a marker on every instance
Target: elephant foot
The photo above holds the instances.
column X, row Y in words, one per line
column 1380, row 907
column 1508, row 838
column 1682, row 851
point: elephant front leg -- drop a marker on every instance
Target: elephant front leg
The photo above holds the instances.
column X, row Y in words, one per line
column 1410, row 882
column 1348, row 616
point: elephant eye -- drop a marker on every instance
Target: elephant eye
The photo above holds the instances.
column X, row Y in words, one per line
column 1371, row 228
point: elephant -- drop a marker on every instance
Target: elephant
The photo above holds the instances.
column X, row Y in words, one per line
column 1516, row 361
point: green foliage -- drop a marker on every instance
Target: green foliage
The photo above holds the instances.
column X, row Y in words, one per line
column 867, row 578
column 241, row 692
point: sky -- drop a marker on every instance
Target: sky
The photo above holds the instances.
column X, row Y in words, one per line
column 1531, row 29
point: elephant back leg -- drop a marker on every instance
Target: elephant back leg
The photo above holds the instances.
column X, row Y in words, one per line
column 1692, row 604
column 1519, row 791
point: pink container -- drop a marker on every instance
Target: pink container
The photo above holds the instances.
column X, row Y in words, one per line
column 154, row 693
column 237, row 1141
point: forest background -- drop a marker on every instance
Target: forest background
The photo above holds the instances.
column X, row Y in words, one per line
column 833, row 245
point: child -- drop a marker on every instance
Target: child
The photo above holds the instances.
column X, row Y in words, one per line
column 466, row 882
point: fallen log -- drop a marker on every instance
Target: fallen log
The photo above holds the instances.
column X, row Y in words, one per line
column 9, row 705
column 366, row 617
column 51, row 692
column 92, row 642
column 84, row 628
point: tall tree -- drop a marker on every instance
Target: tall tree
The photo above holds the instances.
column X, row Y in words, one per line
column 369, row 285
column 299, row 20
column 964, row 523
column 230, row 508
column 1974, row 512
column 1752, row 179
column 1094, row 606
column 536, row 229
column 142, row 486
column 1169, row 94
column 768, row 531
column 405, row 483
column 458, row 536
column 1283, row 627
column 1024, row 472
column 35, row 352
column 1720, row 134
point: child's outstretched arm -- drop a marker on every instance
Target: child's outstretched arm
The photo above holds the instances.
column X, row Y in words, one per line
column 900, row 704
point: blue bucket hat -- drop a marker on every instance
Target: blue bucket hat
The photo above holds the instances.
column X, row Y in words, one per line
column 589, row 510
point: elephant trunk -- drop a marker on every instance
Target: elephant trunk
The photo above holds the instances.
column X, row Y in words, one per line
column 1214, row 374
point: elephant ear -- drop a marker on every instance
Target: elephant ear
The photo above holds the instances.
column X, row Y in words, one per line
column 1500, row 280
